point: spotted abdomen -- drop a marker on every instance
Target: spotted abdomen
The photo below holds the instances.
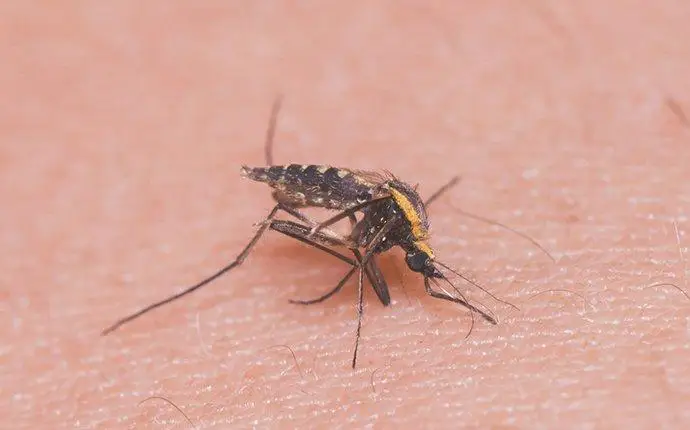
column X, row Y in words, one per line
column 313, row 185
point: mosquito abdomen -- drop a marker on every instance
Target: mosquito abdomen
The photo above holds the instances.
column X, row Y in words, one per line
column 312, row 185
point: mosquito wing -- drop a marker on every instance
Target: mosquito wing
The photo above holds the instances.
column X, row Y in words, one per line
column 313, row 185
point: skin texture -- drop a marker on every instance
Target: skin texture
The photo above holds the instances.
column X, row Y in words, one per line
column 122, row 130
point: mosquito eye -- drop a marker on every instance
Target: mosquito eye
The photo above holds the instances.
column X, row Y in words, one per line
column 417, row 261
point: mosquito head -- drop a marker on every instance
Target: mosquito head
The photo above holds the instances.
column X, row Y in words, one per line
column 420, row 259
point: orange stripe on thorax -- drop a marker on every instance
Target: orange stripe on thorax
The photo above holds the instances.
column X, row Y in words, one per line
column 419, row 232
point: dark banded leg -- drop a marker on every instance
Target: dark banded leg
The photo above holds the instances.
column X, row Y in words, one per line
column 378, row 282
column 271, row 130
column 364, row 261
column 380, row 285
column 360, row 315
column 376, row 278
column 438, row 193
column 450, row 184
column 236, row 262
column 264, row 224
column 346, row 213
column 311, row 223
column 304, row 234
column 322, row 242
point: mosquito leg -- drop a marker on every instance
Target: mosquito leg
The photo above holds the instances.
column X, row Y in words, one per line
column 337, row 288
column 353, row 220
column 299, row 215
column 376, row 240
column 450, row 184
column 236, row 262
column 271, row 130
column 322, row 241
column 346, row 213
column 319, row 241
column 525, row 236
column 305, row 219
column 371, row 269
column 365, row 264
column 380, row 285
column 378, row 282
column 360, row 314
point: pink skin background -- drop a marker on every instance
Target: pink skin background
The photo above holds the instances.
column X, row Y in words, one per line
column 122, row 130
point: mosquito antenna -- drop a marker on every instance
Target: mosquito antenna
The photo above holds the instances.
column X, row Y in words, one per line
column 475, row 284
column 486, row 313
column 271, row 130
column 472, row 309
column 453, row 181
column 172, row 298
column 510, row 229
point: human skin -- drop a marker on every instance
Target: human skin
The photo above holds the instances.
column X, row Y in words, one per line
column 122, row 132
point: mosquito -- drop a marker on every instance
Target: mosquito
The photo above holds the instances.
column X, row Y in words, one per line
column 391, row 213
